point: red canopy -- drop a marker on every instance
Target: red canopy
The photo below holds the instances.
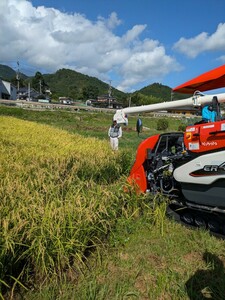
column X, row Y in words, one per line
column 210, row 80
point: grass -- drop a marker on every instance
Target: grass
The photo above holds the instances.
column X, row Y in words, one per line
column 62, row 197
column 181, row 264
column 92, row 124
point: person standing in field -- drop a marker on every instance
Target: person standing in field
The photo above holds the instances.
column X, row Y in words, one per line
column 139, row 126
column 114, row 133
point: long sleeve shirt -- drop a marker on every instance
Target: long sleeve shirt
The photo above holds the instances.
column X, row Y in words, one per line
column 115, row 131
column 209, row 116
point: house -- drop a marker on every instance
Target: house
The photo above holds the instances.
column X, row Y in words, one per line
column 7, row 90
column 105, row 101
column 25, row 94
column 30, row 94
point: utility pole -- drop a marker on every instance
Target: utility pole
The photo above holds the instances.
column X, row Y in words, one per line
column 18, row 78
column 110, row 91
column 40, row 85
column 28, row 91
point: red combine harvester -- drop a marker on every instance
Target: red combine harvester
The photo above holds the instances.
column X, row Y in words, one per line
column 187, row 167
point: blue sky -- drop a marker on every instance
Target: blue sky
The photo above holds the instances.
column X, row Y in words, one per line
column 126, row 42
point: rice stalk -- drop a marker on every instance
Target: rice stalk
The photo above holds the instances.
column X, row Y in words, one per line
column 56, row 200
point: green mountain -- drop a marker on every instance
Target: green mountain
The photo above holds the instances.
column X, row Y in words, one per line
column 157, row 90
column 162, row 91
column 66, row 82
column 69, row 83
column 7, row 73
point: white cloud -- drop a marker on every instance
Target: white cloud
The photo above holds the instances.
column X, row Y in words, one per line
column 149, row 61
column 202, row 42
column 49, row 39
column 221, row 58
column 132, row 34
column 112, row 22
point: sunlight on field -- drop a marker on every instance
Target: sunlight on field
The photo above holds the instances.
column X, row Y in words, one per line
column 59, row 195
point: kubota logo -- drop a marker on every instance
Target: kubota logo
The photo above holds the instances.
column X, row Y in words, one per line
column 206, row 144
column 210, row 170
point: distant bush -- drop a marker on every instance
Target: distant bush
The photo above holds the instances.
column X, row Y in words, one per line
column 162, row 124
column 182, row 127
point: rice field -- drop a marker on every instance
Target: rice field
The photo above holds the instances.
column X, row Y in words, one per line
column 60, row 198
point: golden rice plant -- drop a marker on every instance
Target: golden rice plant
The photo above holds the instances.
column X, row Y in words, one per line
column 157, row 214
column 55, row 200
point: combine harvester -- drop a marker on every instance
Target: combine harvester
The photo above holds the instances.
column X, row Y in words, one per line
column 187, row 167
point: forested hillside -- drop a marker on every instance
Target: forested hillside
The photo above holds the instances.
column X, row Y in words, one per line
column 157, row 89
column 69, row 83
column 66, row 82
column 7, row 73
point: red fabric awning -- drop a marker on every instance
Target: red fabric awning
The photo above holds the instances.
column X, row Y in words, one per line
column 210, row 80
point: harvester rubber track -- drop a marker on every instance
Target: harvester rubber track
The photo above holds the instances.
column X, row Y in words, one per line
column 214, row 222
